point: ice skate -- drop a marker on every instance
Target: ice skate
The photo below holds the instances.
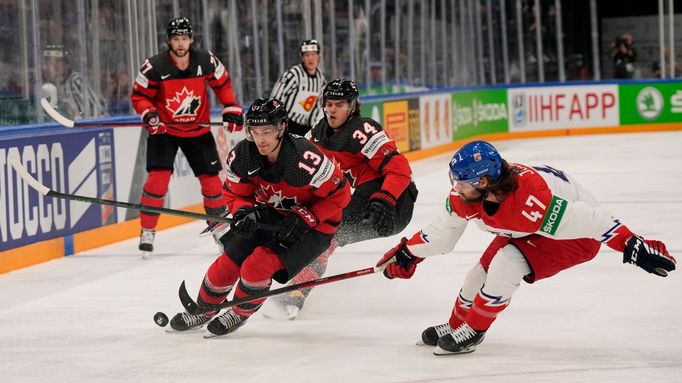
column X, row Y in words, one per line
column 146, row 241
column 185, row 321
column 284, row 307
column 224, row 324
column 463, row 340
column 431, row 335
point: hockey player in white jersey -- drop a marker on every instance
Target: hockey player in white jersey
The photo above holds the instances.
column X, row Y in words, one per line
column 299, row 89
column 544, row 222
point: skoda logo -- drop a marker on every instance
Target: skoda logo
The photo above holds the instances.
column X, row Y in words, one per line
column 649, row 103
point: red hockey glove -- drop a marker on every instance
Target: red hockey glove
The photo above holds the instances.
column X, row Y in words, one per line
column 233, row 120
column 153, row 121
column 404, row 265
column 381, row 212
column 650, row 255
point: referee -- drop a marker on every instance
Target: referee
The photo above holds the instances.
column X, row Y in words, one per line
column 299, row 89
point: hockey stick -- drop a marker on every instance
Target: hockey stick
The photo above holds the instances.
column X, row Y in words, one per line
column 47, row 192
column 193, row 308
column 52, row 112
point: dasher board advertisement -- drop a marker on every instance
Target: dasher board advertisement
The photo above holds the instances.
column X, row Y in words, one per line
column 78, row 162
column 563, row 107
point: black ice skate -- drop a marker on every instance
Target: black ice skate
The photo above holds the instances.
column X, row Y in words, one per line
column 147, row 240
column 224, row 324
column 431, row 335
column 460, row 341
column 185, row 321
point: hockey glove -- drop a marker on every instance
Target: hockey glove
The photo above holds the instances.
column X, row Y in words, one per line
column 246, row 220
column 381, row 212
column 153, row 122
column 403, row 262
column 650, row 255
column 297, row 224
column 233, row 120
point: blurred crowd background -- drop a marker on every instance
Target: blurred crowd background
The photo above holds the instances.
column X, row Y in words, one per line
column 83, row 54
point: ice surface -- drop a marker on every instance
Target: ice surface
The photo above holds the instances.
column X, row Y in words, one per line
column 88, row 318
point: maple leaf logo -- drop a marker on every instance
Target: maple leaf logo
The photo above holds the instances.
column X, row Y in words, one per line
column 350, row 177
column 275, row 198
column 184, row 105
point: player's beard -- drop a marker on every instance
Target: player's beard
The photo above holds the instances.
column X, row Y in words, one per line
column 473, row 201
column 184, row 53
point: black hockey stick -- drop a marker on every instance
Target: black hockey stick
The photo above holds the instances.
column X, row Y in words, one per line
column 62, row 120
column 193, row 308
column 47, row 192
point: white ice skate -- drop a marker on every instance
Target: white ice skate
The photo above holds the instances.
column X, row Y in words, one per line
column 146, row 242
column 284, row 307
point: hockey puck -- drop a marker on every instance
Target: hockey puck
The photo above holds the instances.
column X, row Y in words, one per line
column 160, row 319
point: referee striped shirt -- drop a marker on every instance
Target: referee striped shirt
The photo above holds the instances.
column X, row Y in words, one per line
column 300, row 93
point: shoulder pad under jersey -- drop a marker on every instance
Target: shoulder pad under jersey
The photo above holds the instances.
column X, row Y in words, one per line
column 304, row 163
column 317, row 132
column 203, row 58
column 243, row 161
column 153, row 66
column 367, row 136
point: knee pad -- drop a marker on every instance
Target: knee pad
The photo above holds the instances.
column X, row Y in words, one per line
column 506, row 271
column 157, row 183
column 211, row 187
column 473, row 282
column 260, row 266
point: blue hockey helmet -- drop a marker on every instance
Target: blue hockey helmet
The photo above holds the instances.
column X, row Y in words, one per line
column 473, row 161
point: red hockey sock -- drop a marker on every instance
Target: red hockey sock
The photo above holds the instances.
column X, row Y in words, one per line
column 211, row 189
column 485, row 309
column 460, row 311
column 218, row 281
column 256, row 276
column 153, row 193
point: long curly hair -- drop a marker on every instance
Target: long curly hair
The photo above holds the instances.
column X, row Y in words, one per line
column 506, row 183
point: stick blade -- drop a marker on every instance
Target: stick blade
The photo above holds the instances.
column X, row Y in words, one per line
column 52, row 112
column 23, row 173
column 187, row 301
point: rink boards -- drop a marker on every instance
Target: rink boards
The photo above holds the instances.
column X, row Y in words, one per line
column 109, row 163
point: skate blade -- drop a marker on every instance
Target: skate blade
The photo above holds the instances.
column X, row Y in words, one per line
column 279, row 313
column 146, row 254
column 171, row 330
column 421, row 343
column 440, row 352
column 210, row 335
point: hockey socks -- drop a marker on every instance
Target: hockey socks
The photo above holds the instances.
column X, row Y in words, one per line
column 153, row 194
column 211, row 190
column 218, row 281
column 256, row 276
column 460, row 311
column 314, row 270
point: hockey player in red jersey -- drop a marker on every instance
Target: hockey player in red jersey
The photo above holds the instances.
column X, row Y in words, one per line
column 384, row 195
column 544, row 222
column 171, row 87
column 273, row 178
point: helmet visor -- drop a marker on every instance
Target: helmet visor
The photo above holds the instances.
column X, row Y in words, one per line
column 454, row 179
